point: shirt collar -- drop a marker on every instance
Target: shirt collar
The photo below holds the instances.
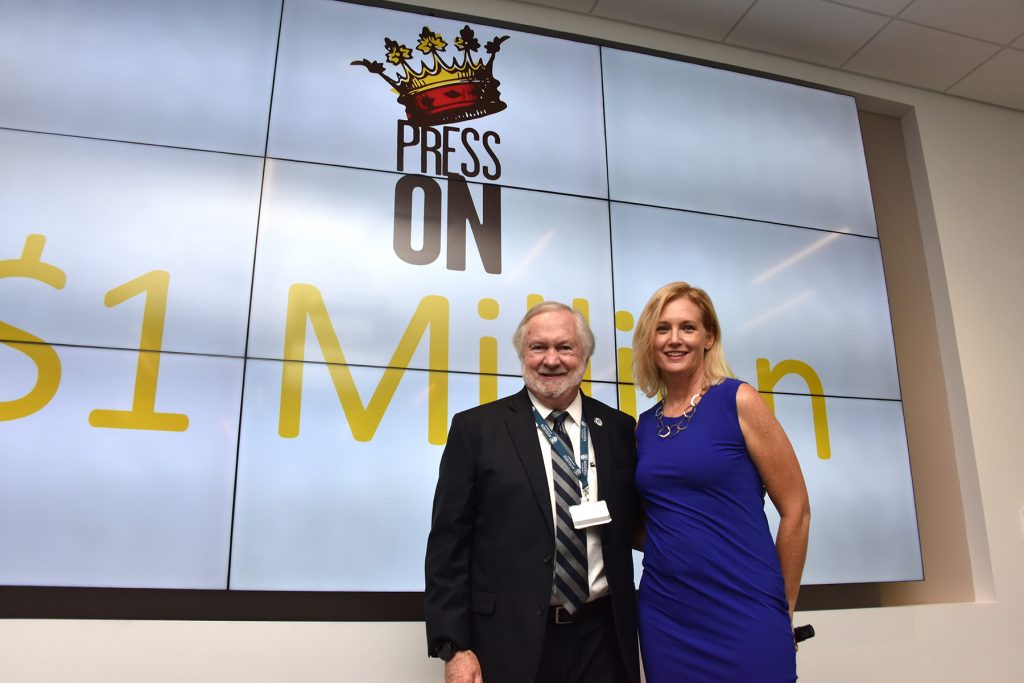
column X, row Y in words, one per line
column 575, row 408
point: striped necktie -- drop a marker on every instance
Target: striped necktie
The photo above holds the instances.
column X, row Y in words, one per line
column 571, row 584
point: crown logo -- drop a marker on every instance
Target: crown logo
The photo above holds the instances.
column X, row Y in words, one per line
column 443, row 92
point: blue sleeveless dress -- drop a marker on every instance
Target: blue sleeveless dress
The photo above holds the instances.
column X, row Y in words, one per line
column 712, row 601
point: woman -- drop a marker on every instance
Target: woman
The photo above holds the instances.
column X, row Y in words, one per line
column 717, row 595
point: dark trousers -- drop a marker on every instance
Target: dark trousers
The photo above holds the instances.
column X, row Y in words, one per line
column 583, row 652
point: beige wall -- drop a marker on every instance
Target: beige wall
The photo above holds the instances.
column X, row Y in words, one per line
column 967, row 167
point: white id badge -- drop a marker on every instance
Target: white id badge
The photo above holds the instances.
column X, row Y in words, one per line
column 591, row 513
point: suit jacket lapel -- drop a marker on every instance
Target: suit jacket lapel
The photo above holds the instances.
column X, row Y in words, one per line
column 523, row 431
column 602, row 446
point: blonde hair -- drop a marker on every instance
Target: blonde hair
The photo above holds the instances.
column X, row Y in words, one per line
column 646, row 374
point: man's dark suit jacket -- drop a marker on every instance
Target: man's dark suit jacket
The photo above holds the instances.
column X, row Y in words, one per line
column 489, row 563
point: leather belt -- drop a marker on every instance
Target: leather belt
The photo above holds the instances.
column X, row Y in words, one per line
column 598, row 608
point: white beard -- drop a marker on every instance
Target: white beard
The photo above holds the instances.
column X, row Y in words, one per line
column 546, row 386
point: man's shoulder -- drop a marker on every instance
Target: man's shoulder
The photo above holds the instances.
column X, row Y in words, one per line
column 595, row 408
column 493, row 409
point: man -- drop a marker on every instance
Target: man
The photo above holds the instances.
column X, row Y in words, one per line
column 514, row 591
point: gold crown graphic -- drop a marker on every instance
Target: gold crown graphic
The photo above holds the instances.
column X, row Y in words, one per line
column 442, row 92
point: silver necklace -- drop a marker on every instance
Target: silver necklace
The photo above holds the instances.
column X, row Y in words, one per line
column 667, row 431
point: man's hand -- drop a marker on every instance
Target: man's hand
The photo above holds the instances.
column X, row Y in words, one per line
column 464, row 667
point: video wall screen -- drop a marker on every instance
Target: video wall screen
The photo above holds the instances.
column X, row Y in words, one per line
column 254, row 256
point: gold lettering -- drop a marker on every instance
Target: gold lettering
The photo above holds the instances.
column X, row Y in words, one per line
column 768, row 377
column 488, row 310
column 624, row 357
column 47, row 362
column 305, row 301
column 143, row 415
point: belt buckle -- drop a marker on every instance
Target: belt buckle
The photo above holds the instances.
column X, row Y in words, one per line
column 559, row 611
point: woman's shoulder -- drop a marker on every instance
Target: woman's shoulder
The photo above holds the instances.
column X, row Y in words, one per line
column 729, row 386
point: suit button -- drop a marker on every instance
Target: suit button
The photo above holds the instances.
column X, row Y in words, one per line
column 547, row 560
column 541, row 611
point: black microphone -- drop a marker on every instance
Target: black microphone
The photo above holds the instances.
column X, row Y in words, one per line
column 801, row 633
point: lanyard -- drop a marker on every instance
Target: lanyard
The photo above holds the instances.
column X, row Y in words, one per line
column 556, row 444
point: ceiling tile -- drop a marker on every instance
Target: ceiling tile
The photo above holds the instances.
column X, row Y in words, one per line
column 570, row 5
column 812, row 30
column 997, row 81
column 920, row 56
column 999, row 21
column 889, row 8
column 710, row 19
